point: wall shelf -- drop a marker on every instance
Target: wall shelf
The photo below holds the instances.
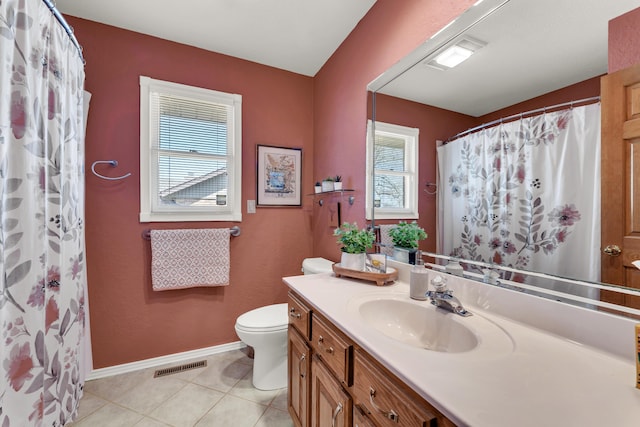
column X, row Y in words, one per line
column 351, row 199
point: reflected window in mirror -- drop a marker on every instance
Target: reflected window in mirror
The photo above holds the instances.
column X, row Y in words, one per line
column 392, row 171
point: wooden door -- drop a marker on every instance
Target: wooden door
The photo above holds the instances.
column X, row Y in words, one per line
column 330, row 405
column 620, row 201
column 298, row 394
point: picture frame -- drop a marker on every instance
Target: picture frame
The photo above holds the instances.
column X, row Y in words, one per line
column 279, row 176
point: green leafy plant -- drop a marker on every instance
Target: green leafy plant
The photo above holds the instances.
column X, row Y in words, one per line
column 353, row 239
column 407, row 234
column 328, row 179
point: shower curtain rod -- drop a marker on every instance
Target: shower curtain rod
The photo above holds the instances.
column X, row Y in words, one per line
column 65, row 25
column 521, row 115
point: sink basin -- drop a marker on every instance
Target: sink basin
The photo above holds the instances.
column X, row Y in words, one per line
column 422, row 325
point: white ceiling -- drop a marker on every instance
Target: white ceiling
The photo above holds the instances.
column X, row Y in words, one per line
column 294, row 35
column 533, row 47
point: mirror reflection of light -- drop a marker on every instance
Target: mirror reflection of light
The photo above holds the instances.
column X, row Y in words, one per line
column 453, row 56
column 478, row 2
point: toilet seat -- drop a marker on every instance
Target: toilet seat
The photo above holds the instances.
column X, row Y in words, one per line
column 264, row 319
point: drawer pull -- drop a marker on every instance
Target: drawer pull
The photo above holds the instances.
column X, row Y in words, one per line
column 320, row 342
column 391, row 414
column 292, row 313
column 335, row 414
column 303, row 373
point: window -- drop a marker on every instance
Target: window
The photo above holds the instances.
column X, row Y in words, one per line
column 394, row 154
column 190, row 153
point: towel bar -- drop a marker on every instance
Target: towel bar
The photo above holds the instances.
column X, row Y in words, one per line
column 234, row 231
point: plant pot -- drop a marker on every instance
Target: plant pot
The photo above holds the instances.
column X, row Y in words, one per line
column 327, row 185
column 318, row 188
column 408, row 256
column 353, row 261
column 337, row 185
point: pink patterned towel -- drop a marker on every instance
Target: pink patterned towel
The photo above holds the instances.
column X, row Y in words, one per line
column 385, row 239
column 189, row 258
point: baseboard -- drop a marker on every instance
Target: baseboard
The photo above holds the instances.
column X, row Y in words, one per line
column 163, row 360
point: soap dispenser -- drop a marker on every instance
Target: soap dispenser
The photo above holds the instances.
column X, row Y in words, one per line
column 454, row 267
column 419, row 279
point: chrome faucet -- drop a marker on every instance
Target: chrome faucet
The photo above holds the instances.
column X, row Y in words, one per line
column 443, row 297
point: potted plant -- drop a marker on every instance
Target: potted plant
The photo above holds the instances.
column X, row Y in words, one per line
column 327, row 184
column 318, row 187
column 337, row 184
column 405, row 237
column 355, row 243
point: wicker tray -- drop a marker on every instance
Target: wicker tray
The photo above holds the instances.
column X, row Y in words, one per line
column 380, row 279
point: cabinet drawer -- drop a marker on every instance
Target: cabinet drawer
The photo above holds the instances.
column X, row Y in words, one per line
column 334, row 351
column 299, row 316
column 387, row 403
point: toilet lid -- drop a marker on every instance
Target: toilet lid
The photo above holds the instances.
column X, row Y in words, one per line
column 267, row 318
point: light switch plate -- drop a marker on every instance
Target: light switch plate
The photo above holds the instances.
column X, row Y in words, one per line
column 251, row 206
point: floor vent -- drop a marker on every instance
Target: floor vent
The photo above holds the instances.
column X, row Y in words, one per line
column 180, row 368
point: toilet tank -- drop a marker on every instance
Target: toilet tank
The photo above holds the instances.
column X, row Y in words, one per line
column 316, row 265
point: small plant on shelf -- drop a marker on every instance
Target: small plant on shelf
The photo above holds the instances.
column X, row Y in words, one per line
column 337, row 185
column 327, row 184
column 318, row 187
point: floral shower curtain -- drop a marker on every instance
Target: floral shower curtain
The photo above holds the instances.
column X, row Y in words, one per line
column 42, row 260
column 526, row 194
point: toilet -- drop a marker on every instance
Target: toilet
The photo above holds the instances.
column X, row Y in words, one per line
column 316, row 265
column 265, row 329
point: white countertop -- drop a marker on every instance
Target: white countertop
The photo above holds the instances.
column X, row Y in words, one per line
column 542, row 379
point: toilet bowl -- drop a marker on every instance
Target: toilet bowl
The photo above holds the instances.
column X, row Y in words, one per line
column 265, row 329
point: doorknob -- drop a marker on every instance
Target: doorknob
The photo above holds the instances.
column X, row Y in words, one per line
column 612, row 250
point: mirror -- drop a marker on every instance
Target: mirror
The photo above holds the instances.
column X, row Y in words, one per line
column 528, row 49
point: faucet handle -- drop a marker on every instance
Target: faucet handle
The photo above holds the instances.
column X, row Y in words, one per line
column 439, row 283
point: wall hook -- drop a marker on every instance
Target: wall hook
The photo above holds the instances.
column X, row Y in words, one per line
column 113, row 163
column 431, row 185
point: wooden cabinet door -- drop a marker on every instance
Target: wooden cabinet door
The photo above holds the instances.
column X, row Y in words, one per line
column 620, row 188
column 299, row 364
column 330, row 404
column 360, row 419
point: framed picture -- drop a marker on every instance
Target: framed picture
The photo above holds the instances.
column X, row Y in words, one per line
column 279, row 176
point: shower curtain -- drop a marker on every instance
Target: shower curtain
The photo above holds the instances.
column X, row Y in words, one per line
column 526, row 194
column 42, row 260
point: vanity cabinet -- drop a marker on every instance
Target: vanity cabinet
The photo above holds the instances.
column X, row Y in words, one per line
column 330, row 403
column 299, row 369
column 333, row 382
column 387, row 402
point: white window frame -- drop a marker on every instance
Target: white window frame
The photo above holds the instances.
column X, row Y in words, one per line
column 149, row 210
column 411, row 137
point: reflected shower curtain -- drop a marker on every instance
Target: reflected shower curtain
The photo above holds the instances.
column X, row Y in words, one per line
column 526, row 194
column 42, row 260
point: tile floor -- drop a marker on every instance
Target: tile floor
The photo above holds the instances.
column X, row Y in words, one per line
column 219, row 394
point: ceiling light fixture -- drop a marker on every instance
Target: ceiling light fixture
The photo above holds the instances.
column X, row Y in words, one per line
column 456, row 53
column 453, row 56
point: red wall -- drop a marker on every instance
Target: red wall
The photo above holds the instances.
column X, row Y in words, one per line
column 624, row 41
column 129, row 321
column 386, row 34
